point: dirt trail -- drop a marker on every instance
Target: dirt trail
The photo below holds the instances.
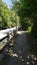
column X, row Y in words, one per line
column 21, row 55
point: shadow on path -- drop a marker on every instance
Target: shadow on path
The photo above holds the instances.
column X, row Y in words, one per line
column 21, row 54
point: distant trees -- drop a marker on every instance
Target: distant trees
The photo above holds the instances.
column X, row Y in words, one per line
column 21, row 9
column 27, row 10
column 4, row 16
column 7, row 16
column 14, row 17
column 24, row 11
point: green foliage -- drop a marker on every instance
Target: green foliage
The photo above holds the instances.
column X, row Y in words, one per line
column 4, row 15
column 27, row 9
column 8, row 17
column 22, row 9
column 14, row 17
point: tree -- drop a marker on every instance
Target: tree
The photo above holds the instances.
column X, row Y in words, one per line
column 5, row 21
column 19, row 7
column 7, row 16
column 27, row 9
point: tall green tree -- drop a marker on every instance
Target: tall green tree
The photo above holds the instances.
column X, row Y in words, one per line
column 8, row 17
column 5, row 21
column 27, row 9
column 21, row 11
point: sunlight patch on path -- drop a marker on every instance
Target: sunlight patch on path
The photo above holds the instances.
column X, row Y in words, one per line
column 20, row 32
